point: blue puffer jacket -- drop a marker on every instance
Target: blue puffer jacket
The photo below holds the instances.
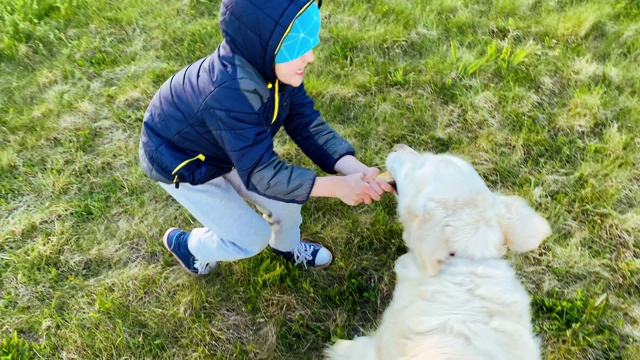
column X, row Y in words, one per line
column 222, row 112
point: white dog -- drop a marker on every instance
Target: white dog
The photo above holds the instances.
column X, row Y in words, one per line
column 455, row 297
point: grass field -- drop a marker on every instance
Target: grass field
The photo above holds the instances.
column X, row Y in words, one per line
column 542, row 96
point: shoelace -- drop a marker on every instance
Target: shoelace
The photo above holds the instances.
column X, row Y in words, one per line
column 302, row 254
column 203, row 268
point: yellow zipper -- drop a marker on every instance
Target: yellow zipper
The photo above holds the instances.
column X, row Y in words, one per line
column 199, row 157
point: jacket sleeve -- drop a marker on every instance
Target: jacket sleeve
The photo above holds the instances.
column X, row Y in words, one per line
column 245, row 139
column 313, row 135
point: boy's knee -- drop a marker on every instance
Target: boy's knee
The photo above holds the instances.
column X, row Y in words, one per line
column 287, row 213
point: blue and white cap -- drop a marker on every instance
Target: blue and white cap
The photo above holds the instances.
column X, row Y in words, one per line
column 303, row 36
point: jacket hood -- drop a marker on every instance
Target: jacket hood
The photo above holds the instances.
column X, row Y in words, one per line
column 254, row 29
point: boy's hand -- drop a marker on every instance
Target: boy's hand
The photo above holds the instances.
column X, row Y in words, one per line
column 378, row 186
column 350, row 165
column 356, row 190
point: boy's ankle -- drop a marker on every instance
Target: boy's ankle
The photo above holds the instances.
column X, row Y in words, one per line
column 177, row 242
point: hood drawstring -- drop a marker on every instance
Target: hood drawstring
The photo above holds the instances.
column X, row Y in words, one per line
column 275, row 109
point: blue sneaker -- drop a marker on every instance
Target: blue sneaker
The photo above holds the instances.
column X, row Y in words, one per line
column 176, row 241
column 308, row 254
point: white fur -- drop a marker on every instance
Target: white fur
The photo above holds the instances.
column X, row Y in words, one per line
column 455, row 297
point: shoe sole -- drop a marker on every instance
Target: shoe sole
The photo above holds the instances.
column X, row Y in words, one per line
column 165, row 238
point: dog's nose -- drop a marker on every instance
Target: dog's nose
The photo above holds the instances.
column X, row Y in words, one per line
column 399, row 147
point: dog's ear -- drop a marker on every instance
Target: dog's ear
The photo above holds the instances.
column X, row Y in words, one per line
column 523, row 228
column 427, row 242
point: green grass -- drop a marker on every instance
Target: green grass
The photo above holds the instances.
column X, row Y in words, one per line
column 541, row 96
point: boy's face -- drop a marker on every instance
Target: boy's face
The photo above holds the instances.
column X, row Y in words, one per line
column 292, row 72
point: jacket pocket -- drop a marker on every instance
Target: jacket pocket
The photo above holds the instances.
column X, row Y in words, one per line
column 191, row 171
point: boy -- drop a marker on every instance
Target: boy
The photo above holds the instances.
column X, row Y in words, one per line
column 207, row 138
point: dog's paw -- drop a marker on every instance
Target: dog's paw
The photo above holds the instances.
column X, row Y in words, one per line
column 341, row 350
column 360, row 348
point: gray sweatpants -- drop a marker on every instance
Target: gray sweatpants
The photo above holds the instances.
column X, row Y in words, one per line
column 232, row 228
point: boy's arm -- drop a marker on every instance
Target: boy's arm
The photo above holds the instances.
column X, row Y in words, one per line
column 306, row 127
column 351, row 189
column 348, row 165
column 249, row 148
column 332, row 153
